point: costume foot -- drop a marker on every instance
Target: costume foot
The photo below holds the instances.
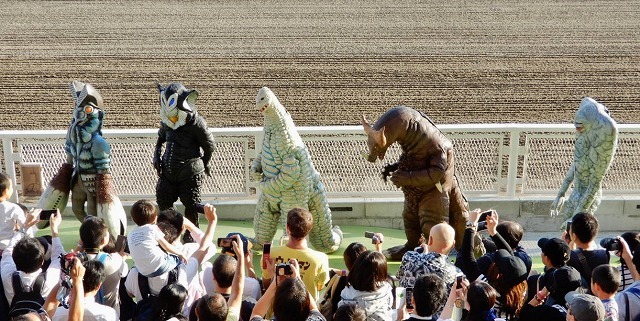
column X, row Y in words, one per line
column 395, row 253
column 187, row 238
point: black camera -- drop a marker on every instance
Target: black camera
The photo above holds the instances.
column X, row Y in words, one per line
column 459, row 280
column 66, row 260
column 373, row 237
column 482, row 220
column 199, row 208
column 611, row 244
column 408, row 298
column 284, row 269
column 226, row 243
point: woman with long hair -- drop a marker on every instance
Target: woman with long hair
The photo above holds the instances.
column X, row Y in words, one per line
column 369, row 287
column 170, row 303
column 477, row 298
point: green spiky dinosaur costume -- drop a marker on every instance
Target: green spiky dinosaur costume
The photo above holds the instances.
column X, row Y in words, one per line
column 596, row 143
column 288, row 179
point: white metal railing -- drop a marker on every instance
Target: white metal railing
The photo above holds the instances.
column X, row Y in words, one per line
column 497, row 160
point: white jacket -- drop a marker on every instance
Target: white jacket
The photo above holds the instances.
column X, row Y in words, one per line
column 377, row 304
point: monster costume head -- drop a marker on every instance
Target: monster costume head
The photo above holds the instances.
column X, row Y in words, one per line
column 177, row 104
column 591, row 114
column 87, row 112
column 266, row 99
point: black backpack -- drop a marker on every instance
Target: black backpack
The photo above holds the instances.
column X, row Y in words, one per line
column 145, row 307
column 26, row 298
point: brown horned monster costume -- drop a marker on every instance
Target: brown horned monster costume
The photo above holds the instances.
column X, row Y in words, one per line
column 424, row 172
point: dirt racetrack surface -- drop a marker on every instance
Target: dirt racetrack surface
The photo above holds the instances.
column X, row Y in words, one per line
column 458, row 61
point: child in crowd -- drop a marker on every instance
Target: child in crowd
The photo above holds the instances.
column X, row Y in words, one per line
column 9, row 213
column 605, row 280
column 149, row 258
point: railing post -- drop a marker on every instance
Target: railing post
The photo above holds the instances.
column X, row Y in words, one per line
column 10, row 165
column 514, row 150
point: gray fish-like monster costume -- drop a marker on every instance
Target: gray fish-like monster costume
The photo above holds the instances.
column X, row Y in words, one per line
column 288, row 179
column 188, row 148
column 86, row 172
column 596, row 143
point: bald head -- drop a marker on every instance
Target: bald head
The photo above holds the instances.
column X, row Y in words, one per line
column 441, row 238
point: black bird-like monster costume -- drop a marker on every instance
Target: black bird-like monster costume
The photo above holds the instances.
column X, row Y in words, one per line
column 188, row 146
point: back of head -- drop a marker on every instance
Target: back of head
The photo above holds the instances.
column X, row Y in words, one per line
column 585, row 227
column 372, row 271
column 607, row 277
column 632, row 239
column 224, row 268
column 299, row 222
column 430, row 294
column 556, row 250
column 291, row 300
column 30, row 316
column 93, row 230
column 5, row 182
column 173, row 217
column 170, row 301
column 352, row 252
column 212, row 307
column 562, row 281
column 93, row 276
column 143, row 212
column 512, row 232
column 350, row 312
column 170, row 232
column 585, row 307
column 636, row 258
column 28, row 255
column 443, row 238
column 481, row 298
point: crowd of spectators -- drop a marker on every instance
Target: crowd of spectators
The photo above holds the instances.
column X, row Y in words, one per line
column 489, row 277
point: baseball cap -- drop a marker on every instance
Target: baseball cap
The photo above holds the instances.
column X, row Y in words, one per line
column 557, row 250
column 585, row 307
column 512, row 268
column 562, row 281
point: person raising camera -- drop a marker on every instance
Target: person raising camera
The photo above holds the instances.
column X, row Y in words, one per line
column 22, row 259
column 287, row 295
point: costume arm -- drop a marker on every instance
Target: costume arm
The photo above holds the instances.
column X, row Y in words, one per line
column 158, row 152
column 206, row 142
column 256, row 167
column 556, row 206
column 602, row 150
column 426, row 177
column 289, row 173
column 101, row 152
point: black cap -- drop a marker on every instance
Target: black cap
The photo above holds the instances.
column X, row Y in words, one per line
column 512, row 268
column 557, row 250
column 561, row 281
